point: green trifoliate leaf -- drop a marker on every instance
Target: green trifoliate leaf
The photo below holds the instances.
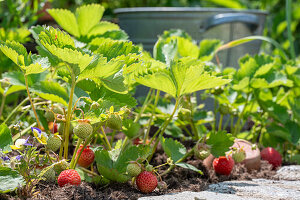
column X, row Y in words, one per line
column 220, row 143
column 112, row 164
column 30, row 64
column 154, row 80
column 102, row 27
column 5, row 138
column 188, row 166
column 88, row 16
column 185, row 76
column 111, row 48
column 15, row 51
column 39, row 64
column 66, row 20
column 51, row 91
column 10, row 180
column 115, row 83
column 62, row 46
column 173, row 148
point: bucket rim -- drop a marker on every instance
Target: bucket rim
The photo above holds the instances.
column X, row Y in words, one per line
column 186, row 9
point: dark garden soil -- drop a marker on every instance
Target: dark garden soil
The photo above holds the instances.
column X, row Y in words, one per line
column 177, row 180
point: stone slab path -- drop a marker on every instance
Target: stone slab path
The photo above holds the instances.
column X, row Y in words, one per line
column 286, row 188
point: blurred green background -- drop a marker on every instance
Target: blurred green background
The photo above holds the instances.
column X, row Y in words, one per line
column 24, row 13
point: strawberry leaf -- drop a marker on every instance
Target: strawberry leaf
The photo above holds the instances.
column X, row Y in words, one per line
column 102, row 27
column 88, row 16
column 220, row 143
column 188, row 166
column 5, row 138
column 112, row 164
column 52, row 91
column 66, row 20
column 30, row 64
column 10, row 180
column 173, row 148
column 185, row 76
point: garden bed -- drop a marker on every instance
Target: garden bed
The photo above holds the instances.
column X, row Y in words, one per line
column 178, row 180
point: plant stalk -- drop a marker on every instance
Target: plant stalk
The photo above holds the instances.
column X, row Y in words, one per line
column 237, row 128
column 105, row 137
column 17, row 136
column 164, row 128
column 151, row 117
column 68, row 118
column 88, row 171
column 220, row 122
column 2, row 104
column 72, row 165
column 33, row 108
column 15, row 110
column 144, row 106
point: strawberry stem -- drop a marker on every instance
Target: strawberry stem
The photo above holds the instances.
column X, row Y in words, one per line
column 88, row 171
column 105, row 137
column 151, row 117
column 73, row 164
column 189, row 153
column 69, row 116
column 164, row 128
column 33, row 108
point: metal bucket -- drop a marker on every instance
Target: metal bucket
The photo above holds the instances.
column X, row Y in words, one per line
column 143, row 25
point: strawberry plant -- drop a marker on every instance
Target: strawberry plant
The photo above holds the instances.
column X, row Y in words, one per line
column 81, row 87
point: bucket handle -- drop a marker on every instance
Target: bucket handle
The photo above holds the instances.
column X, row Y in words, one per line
column 251, row 20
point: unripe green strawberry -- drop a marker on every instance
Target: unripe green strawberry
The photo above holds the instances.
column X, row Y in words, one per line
column 224, row 109
column 5, row 83
column 83, row 129
column 133, row 169
column 114, row 122
column 61, row 166
column 201, row 151
column 238, row 155
column 53, row 142
column 49, row 175
column 49, row 114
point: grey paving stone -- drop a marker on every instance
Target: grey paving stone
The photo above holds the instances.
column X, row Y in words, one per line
column 205, row 195
column 291, row 173
column 257, row 189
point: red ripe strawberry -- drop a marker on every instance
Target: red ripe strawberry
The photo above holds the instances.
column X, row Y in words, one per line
column 223, row 165
column 87, row 156
column 69, row 176
column 272, row 156
column 146, row 182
